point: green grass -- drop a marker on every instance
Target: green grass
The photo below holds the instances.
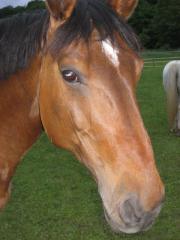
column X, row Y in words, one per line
column 55, row 198
column 159, row 58
column 160, row 54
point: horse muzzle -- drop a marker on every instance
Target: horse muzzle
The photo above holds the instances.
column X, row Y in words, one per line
column 130, row 217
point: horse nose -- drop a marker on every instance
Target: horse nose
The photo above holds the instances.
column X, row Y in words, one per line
column 133, row 215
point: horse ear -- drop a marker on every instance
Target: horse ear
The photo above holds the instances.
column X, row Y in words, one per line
column 124, row 8
column 60, row 9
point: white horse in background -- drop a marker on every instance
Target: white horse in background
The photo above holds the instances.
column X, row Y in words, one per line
column 171, row 82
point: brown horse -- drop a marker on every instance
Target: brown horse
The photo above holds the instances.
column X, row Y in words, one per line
column 72, row 71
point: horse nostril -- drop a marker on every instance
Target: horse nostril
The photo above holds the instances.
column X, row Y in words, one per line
column 133, row 215
column 131, row 212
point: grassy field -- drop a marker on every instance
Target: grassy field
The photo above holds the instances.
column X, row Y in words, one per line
column 55, row 198
column 159, row 58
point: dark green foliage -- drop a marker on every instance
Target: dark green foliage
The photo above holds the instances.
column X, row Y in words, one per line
column 35, row 5
column 9, row 11
column 166, row 24
column 158, row 23
column 142, row 22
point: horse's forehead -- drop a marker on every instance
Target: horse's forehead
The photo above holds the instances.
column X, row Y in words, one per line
column 98, row 52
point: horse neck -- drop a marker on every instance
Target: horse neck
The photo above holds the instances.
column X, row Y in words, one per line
column 20, row 123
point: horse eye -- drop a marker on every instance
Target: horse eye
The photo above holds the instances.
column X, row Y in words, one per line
column 70, row 76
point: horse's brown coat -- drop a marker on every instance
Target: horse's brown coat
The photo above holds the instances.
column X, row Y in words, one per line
column 18, row 129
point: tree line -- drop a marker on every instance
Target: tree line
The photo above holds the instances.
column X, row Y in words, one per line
column 157, row 22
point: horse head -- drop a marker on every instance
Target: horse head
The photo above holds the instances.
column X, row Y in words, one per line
column 88, row 105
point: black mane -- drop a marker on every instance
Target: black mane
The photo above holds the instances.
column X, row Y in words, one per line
column 21, row 36
column 20, row 39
